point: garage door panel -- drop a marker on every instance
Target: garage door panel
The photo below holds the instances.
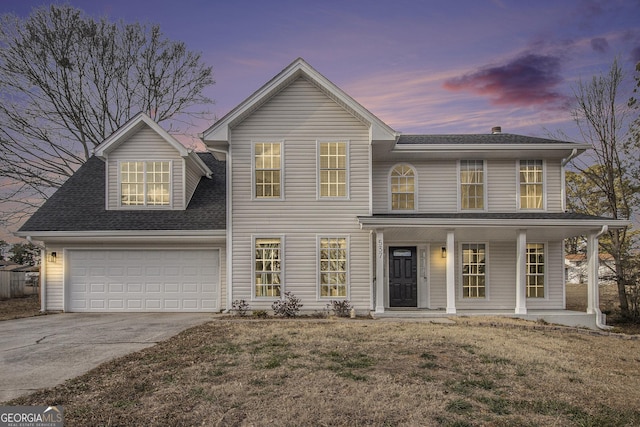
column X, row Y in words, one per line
column 137, row 280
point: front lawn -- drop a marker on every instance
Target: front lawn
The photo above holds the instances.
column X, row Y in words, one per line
column 361, row 372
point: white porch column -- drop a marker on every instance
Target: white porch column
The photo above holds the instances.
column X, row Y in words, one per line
column 593, row 296
column 521, row 272
column 380, row 279
column 451, row 273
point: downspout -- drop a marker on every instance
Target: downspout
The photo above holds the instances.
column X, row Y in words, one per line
column 599, row 323
column 563, row 186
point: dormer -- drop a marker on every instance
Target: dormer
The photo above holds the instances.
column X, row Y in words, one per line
column 146, row 168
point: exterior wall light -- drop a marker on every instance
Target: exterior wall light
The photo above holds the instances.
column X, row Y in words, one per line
column 53, row 256
column 443, row 251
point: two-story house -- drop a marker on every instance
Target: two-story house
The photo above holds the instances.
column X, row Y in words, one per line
column 304, row 190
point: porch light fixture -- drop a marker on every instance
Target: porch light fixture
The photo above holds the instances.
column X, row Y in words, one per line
column 443, row 251
column 53, row 256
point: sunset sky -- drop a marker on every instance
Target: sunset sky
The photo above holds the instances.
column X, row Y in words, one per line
column 421, row 66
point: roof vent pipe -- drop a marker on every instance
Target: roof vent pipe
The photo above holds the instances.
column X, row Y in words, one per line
column 496, row 129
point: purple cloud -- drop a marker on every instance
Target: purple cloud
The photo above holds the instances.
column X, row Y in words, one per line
column 600, row 44
column 527, row 80
column 635, row 54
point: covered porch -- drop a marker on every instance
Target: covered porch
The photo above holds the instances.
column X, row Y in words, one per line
column 481, row 264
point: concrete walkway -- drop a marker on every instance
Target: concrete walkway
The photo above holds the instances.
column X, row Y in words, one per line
column 45, row 351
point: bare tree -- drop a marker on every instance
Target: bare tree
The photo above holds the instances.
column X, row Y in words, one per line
column 606, row 184
column 68, row 81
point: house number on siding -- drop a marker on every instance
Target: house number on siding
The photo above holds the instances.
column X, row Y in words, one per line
column 380, row 249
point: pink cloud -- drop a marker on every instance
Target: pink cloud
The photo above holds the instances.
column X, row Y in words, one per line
column 529, row 79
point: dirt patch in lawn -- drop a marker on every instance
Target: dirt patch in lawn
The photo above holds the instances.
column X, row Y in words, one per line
column 16, row 308
column 236, row 372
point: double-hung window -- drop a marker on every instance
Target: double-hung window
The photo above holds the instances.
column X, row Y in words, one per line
column 145, row 183
column 333, row 166
column 267, row 261
column 473, row 270
column 531, row 184
column 472, row 184
column 334, row 267
column 267, row 170
column 535, row 270
column 403, row 187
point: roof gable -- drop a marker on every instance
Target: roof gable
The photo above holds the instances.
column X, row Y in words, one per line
column 133, row 126
column 298, row 68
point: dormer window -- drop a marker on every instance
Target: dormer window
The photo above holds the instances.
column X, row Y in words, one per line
column 145, row 183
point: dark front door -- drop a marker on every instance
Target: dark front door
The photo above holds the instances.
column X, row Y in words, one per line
column 403, row 277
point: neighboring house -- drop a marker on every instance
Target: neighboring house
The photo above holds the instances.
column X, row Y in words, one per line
column 304, row 190
column 576, row 268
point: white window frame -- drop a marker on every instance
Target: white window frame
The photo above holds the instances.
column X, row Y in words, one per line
column 415, row 188
column 545, row 248
column 319, row 296
column 486, row 272
column 254, row 238
column 319, row 195
column 544, row 186
column 485, row 191
column 253, row 170
column 145, row 194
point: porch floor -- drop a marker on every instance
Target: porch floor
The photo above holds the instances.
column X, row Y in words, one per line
column 560, row 317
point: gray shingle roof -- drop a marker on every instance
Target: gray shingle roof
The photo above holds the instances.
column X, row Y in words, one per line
column 497, row 138
column 79, row 205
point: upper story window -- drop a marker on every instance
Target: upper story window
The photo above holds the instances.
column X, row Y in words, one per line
column 145, row 183
column 268, row 170
column 403, row 188
column 531, row 184
column 333, row 165
column 472, row 192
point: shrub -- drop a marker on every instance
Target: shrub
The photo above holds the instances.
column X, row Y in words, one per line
column 260, row 314
column 240, row 307
column 340, row 308
column 287, row 307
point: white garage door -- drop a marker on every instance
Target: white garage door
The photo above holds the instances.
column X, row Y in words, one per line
column 143, row 280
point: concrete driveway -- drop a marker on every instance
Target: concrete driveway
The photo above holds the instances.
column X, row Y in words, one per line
column 44, row 351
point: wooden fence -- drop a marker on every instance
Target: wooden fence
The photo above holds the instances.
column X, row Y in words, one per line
column 13, row 284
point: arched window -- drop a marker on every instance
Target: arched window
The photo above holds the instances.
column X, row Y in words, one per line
column 403, row 188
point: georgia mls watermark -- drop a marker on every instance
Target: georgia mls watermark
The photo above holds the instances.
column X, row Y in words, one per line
column 31, row 416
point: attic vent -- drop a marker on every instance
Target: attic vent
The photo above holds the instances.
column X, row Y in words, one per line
column 496, row 129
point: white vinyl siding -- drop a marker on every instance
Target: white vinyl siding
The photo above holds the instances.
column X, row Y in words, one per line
column 141, row 146
column 301, row 115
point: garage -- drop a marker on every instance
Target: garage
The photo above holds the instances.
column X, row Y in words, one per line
column 142, row 280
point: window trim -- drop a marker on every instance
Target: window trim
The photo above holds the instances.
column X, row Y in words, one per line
column 415, row 188
column 144, row 206
column 319, row 296
column 544, row 186
column 253, row 266
column 485, row 179
column 253, row 169
column 347, row 143
column 486, row 297
column 545, row 274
